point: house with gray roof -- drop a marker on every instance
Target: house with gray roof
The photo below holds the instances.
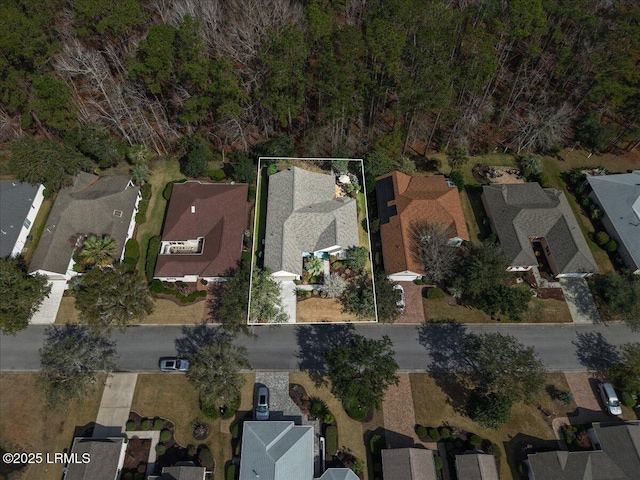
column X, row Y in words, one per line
column 616, row 456
column 280, row 450
column 524, row 216
column 92, row 205
column 181, row 471
column 408, row 464
column 476, row 466
column 96, row 459
column 19, row 205
column 305, row 216
column 618, row 196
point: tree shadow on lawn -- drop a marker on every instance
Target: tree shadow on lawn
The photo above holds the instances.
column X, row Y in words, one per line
column 518, row 447
column 198, row 336
column 447, row 342
column 595, row 352
column 313, row 343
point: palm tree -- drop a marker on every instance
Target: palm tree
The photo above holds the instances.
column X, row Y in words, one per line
column 314, row 266
column 140, row 174
column 98, row 251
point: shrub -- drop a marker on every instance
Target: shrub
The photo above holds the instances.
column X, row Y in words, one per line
column 583, row 440
column 216, row 175
column 627, row 399
column 318, row 408
column 251, row 196
column 494, row 450
column 153, row 250
column 160, row 449
column 165, row 435
column 376, row 444
column 210, row 411
column 569, row 435
column 565, row 397
column 141, row 217
column 611, row 246
column 445, row 433
column 601, row 238
column 192, row 450
column 231, row 472
column 127, row 476
column 146, row 424
column 272, row 169
column 46, row 193
column 205, row 457
column 434, row 293
column 475, row 440
column 132, row 250
column 374, row 225
column 131, row 425
column 235, row 430
column 355, row 410
column 433, row 433
column 158, row 424
column 356, row 258
column 419, row 281
column 458, row 179
column 145, row 191
column 492, row 238
column 139, row 475
column 421, row 431
column 166, row 193
column 331, row 436
column 437, row 461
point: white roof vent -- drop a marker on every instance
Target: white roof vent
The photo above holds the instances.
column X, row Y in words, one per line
column 193, row 209
column 117, row 213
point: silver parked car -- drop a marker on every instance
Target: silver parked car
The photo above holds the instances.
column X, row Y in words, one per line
column 610, row 399
column 174, row 364
column 262, row 405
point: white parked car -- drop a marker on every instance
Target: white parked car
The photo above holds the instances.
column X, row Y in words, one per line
column 400, row 303
column 174, row 364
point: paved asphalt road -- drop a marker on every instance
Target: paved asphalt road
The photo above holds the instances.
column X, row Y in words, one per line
column 563, row 347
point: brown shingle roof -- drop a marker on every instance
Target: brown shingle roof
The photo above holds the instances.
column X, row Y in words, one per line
column 219, row 214
column 416, row 199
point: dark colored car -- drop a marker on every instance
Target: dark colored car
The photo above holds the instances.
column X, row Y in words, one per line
column 262, row 405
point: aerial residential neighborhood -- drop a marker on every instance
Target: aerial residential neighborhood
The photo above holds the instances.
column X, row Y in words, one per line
column 319, row 240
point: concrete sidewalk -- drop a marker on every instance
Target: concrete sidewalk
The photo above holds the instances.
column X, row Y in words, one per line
column 115, row 405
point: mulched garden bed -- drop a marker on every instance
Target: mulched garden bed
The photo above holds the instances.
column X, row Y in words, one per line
column 555, row 293
column 299, row 396
column 136, row 456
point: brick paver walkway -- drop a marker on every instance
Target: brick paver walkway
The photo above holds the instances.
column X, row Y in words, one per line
column 413, row 311
column 399, row 415
column 582, row 385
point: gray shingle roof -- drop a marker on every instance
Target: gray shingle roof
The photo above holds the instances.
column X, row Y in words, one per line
column 303, row 215
column 339, row 474
column 104, row 459
column 520, row 211
column 16, row 199
column 475, row 466
column 619, row 458
column 183, row 472
column 86, row 207
column 619, row 197
column 408, row 464
column 276, row 451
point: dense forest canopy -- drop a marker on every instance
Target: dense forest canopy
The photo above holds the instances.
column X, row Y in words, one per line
column 339, row 77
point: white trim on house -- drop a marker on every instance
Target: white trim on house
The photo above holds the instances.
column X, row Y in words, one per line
column 405, row 276
column 27, row 223
column 519, row 268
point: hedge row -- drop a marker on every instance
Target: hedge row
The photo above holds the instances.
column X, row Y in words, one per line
column 131, row 254
column 153, row 250
column 158, row 287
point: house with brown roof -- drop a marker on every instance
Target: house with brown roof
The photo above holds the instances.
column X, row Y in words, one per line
column 405, row 200
column 203, row 231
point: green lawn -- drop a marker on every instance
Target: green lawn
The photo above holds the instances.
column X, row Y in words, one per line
column 38, row 227
column 163, row 170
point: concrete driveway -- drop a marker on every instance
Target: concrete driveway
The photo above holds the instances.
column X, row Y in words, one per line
column 288, row 299
column 48, row 311
column 579, row 300
column 115, row 405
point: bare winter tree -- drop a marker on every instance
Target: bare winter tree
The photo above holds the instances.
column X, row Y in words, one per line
column 541, row 128
column 429, row 243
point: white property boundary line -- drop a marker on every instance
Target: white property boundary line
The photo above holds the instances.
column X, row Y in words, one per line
column 255, row 231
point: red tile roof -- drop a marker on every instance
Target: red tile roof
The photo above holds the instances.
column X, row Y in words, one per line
column 425, row 198
column 217, row 212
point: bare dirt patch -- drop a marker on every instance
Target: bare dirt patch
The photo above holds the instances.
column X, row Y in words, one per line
column 316, row 309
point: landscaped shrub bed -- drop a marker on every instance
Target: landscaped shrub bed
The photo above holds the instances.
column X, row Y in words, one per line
column 175, row 291
column 168, row 451
column 576, row 437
